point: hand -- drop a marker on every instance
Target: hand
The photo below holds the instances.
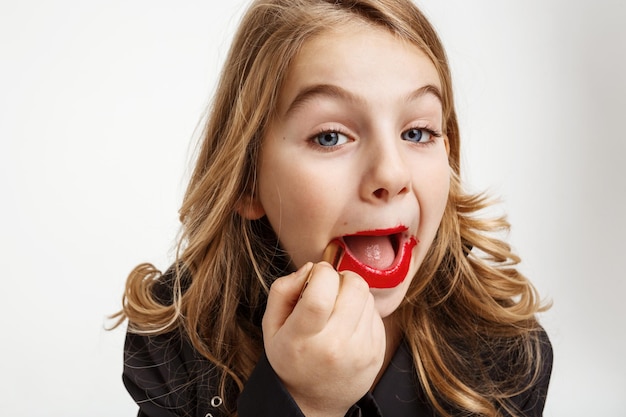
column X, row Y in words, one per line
column 327, row 346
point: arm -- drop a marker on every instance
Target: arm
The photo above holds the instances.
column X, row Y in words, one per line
column 265, row 395
column 325, row 344
column 166, row 378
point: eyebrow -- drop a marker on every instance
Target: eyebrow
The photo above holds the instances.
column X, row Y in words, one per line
column 336, row 92
column 424, row 90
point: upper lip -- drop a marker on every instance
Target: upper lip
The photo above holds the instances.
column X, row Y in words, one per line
column 381, row 232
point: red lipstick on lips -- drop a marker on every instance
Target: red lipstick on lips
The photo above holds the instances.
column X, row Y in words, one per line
column 339, row 255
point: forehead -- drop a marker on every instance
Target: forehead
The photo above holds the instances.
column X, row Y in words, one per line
column 362, row 58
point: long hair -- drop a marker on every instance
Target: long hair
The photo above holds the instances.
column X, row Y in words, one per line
column 468, row 297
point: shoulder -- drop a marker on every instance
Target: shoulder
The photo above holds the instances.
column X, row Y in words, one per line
column 543, row 356
column 164, row 373
column 532, row 400
column 165, row 286
column 166, row 376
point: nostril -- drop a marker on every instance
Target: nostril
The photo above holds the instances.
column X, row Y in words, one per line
column 380, row 193
column 384, row 193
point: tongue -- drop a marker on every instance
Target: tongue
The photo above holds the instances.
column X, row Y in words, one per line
column 374, row 251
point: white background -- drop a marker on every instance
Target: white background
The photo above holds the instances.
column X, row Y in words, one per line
column 99, row 102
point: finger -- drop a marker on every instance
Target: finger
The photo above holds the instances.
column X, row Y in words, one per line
column 372, row 330
column 351, row 303
column 372, row 324
column 283, row 296
column 313, row 310
column 306, row 282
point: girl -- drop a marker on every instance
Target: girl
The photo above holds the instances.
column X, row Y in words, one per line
column 330, row 263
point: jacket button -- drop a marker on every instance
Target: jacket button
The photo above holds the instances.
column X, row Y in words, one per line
column 216, row 402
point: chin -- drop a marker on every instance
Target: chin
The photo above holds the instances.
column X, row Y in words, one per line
column 389, row 299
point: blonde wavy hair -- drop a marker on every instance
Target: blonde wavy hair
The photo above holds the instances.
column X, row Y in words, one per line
column 469, row 294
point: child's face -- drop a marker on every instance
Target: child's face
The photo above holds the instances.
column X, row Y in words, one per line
column 350, row 152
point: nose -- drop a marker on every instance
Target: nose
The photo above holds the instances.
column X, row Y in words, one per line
column 387, row 173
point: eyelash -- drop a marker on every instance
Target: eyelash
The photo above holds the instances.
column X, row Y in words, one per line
column 431, row 132
column 313, row 138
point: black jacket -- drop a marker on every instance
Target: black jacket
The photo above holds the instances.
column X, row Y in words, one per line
column 167, row 377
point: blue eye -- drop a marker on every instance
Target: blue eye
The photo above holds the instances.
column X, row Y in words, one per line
column 331, row 138
column 417, row 135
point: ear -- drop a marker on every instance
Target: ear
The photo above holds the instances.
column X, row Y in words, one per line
column 250, row 208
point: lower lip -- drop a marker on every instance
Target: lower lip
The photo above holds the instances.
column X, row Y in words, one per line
column 379, row 278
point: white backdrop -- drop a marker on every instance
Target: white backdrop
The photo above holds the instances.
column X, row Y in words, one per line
column 98, row 105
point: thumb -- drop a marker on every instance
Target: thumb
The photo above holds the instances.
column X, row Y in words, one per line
column 283, row 297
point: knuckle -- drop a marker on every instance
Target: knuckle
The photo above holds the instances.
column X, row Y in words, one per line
column 332, row 354
column 365, row 361
column 279, row 286
column 355, row 283
column 315, row 304
column 325, row 265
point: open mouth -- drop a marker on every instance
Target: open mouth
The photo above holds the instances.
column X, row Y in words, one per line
column 381, row 257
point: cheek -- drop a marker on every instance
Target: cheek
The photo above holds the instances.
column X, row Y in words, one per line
column 290, row 196
column 442, row 192
column 432, row 190
column 294, row 187
column 299, row 207
column 433, row 195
